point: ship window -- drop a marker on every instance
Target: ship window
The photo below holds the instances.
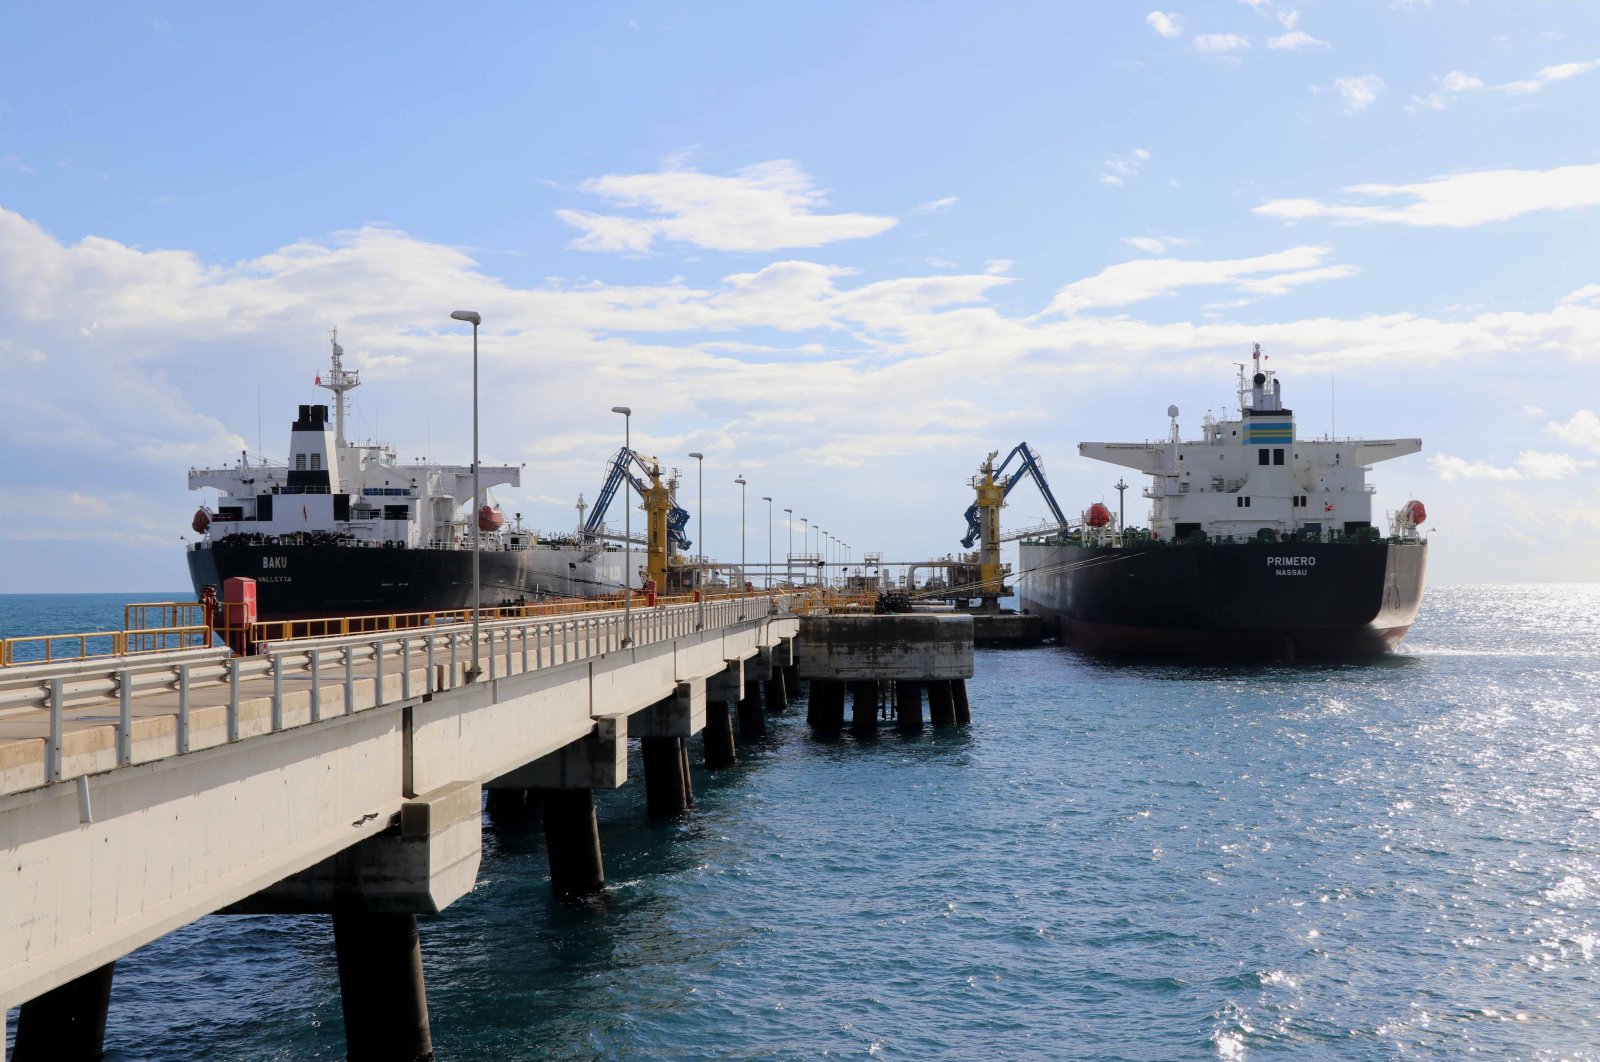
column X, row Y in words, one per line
column 316, row 461
column 1261, row 456
column 1277, row 457
column 300, row 462
column 1247, row 503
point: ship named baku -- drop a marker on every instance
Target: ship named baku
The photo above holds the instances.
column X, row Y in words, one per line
column 346, row 529
column 1261, row 545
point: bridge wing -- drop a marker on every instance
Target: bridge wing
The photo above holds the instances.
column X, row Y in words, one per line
column 1145, row 457
column 1369, row 451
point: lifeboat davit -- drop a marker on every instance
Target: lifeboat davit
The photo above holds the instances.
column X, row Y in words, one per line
column 1097, row 516
column 1413, row 513
column 201, row 521
column 490, row 519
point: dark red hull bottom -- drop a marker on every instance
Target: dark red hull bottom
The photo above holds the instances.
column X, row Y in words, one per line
column 1285, row 646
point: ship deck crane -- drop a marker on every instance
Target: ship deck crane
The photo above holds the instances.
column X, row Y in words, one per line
column 983, row 515
column 664, row 519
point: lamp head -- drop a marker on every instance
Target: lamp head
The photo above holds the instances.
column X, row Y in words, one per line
column 740, row 481
column 765, row 498
column 472, row 317
column 698, row 456
column 624, row 410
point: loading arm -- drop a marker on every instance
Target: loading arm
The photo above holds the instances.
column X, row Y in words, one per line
column 622, row 467
column 1030, row 466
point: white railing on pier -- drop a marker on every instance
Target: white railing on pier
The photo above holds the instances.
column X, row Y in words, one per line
column 443, row 654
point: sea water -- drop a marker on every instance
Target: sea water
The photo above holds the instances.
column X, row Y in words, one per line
column 1397, row 859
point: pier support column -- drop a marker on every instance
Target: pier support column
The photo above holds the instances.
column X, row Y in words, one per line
column 68, row 1023
column 941, row 705
column 666, row 781
column 572, row 838
column 908, row 706
column 777, row 692
column 507, row 806
column 752, row 720
column 958, row 693
column 865, row 700
column 719, row 741
column 827, row 704
column 381, row 986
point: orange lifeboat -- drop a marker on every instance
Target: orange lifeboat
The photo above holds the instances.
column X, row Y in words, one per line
column 1413, row 512
column 490, row 519
column 1097, row 516
column 201, row 521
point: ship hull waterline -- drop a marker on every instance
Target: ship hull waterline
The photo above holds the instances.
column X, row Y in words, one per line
column 313, row 581
column 1256, row 601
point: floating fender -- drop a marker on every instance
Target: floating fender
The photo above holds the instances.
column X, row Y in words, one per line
column 1097, row 516
column 201, row 521
column 490, row 519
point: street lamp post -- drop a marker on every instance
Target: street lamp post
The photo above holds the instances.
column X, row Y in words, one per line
column 788, row 557
column 769, row 541
column 627, row 525
column 475, row 319
column 700, row 518
column 741, row 483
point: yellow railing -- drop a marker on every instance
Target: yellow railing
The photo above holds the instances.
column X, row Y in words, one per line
column 100, row 643
column 340, row 626
column 160, row 626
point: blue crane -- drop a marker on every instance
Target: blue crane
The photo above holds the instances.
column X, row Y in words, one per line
column 677, row 518
column 1030, row 467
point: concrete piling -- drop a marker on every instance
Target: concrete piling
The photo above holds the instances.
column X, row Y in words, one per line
column 941, row 704
column 752, row 719
column 381, row 986
column 908, row 705
column 958, row 693
column 777, row 692
column 506, row 806
column 572, row 838
column 865, row 700
column 68, row 1023
column 683, row 766
column 827, row 704
column 719, row 743
column 667, row 786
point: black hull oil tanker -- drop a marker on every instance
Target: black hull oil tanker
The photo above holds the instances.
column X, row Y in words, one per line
column 1261, row 545
column 345, row 528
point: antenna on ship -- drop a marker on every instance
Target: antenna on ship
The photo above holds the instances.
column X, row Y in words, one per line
column 339, row 381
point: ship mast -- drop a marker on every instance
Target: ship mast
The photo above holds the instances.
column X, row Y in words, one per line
column 339, row 380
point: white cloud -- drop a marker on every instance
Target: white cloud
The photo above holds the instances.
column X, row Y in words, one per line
column 1451, row 85
column 1283, row 282
column 941, row 263
column 937, row 206
column 1221, row 42
column 1530, row 464
column 1457, row 200
column 1119, row 170
column 1166, row 25
column 761, row 208
column 1148, row 244
column 997, row 266
column 1147, row 278
column 1294, row 40
column 1547, row 76
column 1359, row 92
column 1582, row 430
column 153, row 360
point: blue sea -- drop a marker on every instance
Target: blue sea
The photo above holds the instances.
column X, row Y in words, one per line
column 1116, row 861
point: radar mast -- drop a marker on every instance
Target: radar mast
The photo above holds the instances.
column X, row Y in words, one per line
column 339, row 381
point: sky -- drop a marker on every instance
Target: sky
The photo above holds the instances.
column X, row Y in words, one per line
column 845, row 250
